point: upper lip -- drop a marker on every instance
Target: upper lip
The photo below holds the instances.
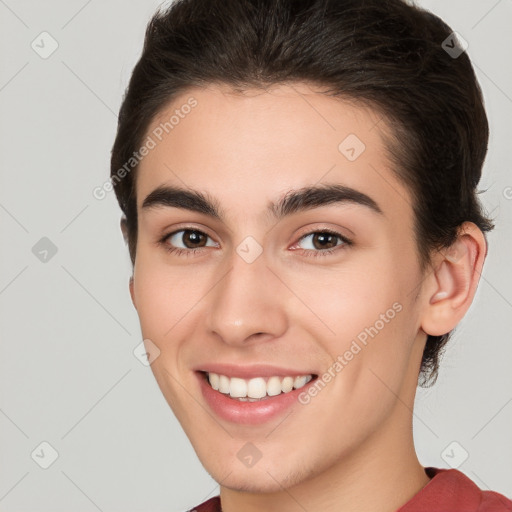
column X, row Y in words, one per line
column 250, row 371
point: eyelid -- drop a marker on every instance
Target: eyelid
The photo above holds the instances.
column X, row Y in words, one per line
column 172, row 228
column 169, row 234
column 337, row 231
column 345, row 242
column 324, row 228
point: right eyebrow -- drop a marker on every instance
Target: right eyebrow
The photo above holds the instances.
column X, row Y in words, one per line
column 176, row 197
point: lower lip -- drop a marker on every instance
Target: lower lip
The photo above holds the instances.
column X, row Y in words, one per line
column 248, row 413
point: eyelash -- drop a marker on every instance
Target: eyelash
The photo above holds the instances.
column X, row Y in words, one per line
column 308, row 252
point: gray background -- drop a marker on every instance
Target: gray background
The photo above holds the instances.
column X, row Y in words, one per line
column 68, row 375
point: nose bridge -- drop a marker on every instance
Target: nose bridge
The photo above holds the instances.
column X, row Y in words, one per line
column 246, row 300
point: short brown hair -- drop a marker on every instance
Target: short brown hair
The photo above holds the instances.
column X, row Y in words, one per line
column 386, row 54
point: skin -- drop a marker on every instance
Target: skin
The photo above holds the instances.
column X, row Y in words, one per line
column 355, row 436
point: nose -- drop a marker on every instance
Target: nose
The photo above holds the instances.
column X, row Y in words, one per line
column 248, row 304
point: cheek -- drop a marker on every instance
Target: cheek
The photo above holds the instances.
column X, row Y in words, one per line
column 348, row 302
column 365, row 317
column 164, row 296
column 165, row 301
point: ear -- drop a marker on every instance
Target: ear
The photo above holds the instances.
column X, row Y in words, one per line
column 124, row 228
column 132, row 294
column 452, row 286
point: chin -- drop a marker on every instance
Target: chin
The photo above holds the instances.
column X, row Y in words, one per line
column 259, row 479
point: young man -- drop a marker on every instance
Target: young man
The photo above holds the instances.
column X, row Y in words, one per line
column 298, row 181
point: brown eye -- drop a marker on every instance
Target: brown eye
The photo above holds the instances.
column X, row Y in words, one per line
column 186, row 242
column 323, row 243
column 191, row 239
column 322, row 240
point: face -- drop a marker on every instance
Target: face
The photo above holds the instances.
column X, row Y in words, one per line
column 308, row 304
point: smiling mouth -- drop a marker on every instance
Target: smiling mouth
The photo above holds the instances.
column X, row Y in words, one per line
column 257, row 388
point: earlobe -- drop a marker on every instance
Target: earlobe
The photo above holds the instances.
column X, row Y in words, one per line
column 453, row 284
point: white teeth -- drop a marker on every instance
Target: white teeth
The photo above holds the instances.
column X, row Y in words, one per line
column 299, row 382
column 214, row 381
column 256, row 388
column 237, row 387
column 250, row 390
column 274, row 386
column 223, row 384
column 287, row 384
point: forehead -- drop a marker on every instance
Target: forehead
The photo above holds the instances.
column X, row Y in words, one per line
column 248, row 147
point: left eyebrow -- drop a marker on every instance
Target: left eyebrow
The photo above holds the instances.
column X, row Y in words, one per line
column 321, row 195
column 292, row 202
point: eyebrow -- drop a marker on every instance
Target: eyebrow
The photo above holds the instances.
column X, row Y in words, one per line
column 292, row 202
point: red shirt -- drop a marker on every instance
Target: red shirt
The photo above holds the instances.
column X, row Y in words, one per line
column 449, row 490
